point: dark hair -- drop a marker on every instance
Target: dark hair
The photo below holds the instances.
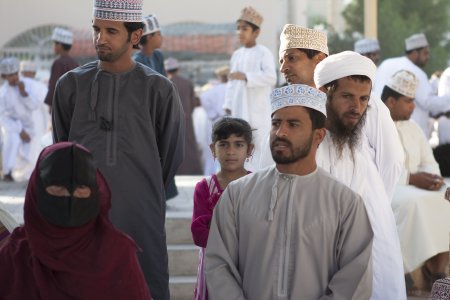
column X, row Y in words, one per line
column 131, row 27
column 388, row 92
column 310, row 53
column 332, row 86
column 227, row 126
column 412, row 50
column 66, row 47
column 253, row 26
column 317, row 118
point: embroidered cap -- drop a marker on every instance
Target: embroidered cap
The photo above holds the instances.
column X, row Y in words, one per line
column 151, row 25
column 418, row 40
column 404, row 82
column 367, row 45
column 222, row 71
column 341, row 65
column 28, row 66
column 9, row 65
column 118, row 10
column 298, row 95
column 294, row 36
column 250, row 15
column 171, row 64
column 62, row 36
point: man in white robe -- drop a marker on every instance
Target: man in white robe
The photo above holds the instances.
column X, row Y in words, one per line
column 252, row 77
column 422, row 216
column 417, row 55
column 19, row 97
column 301, row 49
column 347, row 78
column 290, row 231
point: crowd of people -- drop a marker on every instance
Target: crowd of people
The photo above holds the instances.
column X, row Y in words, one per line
column 324, row 188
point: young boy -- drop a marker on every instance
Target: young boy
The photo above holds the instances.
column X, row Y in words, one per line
column 252, row 77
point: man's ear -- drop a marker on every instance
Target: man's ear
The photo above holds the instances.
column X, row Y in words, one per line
column 390, row 102
column 319, row 57
column 319, row 135
column 136, row 36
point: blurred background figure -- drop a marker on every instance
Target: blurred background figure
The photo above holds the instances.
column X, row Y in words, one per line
column 62, row 43
column 150, row 42
column 191, row 164
column 40, row 116
column 19, row 98
column 369, row 48
column 212, row 100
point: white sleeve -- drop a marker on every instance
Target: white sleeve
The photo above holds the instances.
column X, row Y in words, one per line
column 267, row 75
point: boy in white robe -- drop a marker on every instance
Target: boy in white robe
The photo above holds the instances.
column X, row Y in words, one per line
column 251, row 79
column 347, row 78
column 290, row 231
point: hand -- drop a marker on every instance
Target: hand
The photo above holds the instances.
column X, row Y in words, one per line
column 427, row 181
column 21, row 87
column 237, row 76
column 24, row 136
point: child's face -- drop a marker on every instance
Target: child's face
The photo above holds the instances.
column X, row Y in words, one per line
column 247, row 36
column 231, row 152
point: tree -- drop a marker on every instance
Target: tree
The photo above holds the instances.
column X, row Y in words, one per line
column 398, row 19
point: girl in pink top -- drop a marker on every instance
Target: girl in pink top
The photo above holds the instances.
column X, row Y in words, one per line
column 232, row 146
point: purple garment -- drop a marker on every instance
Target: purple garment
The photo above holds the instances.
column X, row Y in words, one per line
column 60, row 66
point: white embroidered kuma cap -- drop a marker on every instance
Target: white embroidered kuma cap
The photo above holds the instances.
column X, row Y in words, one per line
column 62, row 36
column 151, row 25
column 404, row 82
column 298, row 95
column 118, row 10
column 294, row 36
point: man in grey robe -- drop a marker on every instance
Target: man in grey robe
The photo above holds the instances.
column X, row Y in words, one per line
column 131, row 119
column 290, row 231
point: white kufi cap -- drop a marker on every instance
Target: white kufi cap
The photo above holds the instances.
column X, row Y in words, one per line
column 364, row 46
column 341, row 65
column 151, row 25
column 62, row 36
column 298, row 95
column 404, row 82
column 171, row 64
column 9, row 65
column 28, row 66
column 418, row 40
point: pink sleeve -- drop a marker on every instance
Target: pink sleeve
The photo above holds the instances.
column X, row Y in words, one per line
column 202, row 214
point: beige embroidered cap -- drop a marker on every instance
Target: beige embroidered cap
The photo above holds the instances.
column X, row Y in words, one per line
column 294, row 36
column 404, row 82
column 250, row 15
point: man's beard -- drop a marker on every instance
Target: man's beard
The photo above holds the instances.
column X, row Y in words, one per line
column 341, row 134
column 297, row 153
column 113, row 56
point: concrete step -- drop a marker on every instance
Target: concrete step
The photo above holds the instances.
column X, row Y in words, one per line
column 182, row 287
column 183, row 260
column 178, row 228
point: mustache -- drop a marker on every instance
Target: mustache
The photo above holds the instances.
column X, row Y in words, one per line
column 282, row 140
column 102, row 47
column 352, row 114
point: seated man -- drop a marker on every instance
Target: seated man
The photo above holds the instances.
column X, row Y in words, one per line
column 421, row 213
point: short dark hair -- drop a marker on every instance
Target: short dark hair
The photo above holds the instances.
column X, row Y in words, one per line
column 227, row 126
column 317, row 118
column 412, row 50
column 310, row 53
column 388, row 92
column 253, row 26
column 131, row 27
column 66, row 47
